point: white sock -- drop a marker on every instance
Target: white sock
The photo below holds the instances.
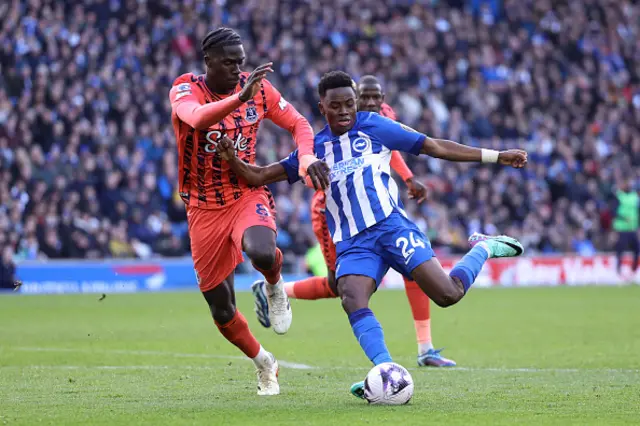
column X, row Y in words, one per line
column 263, row 359
column 272, row 288
column 424, row 347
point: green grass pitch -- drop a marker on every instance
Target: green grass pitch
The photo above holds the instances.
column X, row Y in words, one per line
column 526, row 356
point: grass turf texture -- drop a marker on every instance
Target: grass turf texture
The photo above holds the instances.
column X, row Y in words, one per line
column 527, row 356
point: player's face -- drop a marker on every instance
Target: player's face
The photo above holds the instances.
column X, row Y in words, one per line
column 370, row 97
column 224, row 67
column 339, row 109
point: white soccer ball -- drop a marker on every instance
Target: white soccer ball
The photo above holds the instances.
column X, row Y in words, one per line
column 388, row 384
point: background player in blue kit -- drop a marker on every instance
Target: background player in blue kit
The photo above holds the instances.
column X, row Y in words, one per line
column 365, row 214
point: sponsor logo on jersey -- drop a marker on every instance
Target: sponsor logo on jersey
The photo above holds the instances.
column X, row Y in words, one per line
column 346, row 167
column 251, row 115
column 282, row 103
column 182, row 95
column 183, row 87
column 213, row 137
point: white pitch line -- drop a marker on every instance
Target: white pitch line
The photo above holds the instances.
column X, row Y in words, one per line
column 110, row 367
column 298, row 366
column 99, row 367
column 540, row 370
column 286, row 364
column 430, row 370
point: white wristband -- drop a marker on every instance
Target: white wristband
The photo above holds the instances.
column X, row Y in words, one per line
column 489, row 155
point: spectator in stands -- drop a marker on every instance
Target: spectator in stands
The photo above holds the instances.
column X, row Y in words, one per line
column 88, row 165
column 7, row 269
column 627, row 223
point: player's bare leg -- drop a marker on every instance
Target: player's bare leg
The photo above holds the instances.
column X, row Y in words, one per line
column 233, row 326
column 355, row 292
column 259, row 243
column 447, row 289
column 443, row 289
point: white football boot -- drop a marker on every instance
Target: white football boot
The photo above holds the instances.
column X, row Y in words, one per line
column 280, row 314
column 268, row 378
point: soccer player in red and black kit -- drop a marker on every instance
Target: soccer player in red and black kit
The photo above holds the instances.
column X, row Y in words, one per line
column 225, row 215
column 370, row 98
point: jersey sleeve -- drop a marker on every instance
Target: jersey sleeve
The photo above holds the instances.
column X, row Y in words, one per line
column 182, row 91
column 186, row 105
column 394, row 135
column 291, row 165
column 284, row 115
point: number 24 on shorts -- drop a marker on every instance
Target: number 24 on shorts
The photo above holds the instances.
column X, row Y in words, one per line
column 408, row 252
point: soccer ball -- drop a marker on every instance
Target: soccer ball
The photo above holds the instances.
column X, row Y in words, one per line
column 388, row 384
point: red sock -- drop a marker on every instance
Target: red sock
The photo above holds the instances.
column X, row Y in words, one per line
column 421, row 311
column 272, row 275
column 237, row 332
column 313, row 288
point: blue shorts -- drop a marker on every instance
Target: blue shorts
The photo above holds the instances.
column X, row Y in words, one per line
column 395, row 242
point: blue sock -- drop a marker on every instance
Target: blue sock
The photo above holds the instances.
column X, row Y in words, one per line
column 369, row 333
column 469, row 267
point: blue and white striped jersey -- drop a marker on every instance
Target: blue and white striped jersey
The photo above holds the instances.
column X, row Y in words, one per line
column 362, row 192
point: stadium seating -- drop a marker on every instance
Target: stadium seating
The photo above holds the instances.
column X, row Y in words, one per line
column 87, row 154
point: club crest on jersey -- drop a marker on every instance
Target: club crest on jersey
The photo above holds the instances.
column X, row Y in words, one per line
column 361, row 143
column 183, row 87
column 251, row 115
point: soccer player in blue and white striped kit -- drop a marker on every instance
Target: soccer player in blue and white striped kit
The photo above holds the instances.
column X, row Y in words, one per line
column 365, row 214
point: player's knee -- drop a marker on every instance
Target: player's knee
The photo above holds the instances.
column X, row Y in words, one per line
column 350, row 304
column 352, row 299
column 449, row 296
column 223, row 313
column 262, row 256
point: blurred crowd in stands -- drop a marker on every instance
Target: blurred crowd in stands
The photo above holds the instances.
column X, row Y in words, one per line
column 87, row 153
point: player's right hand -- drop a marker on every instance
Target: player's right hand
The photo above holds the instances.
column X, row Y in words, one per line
column 417, row 190
column 225, row 148
column 516, row 158
column 318, row 172
column 252, row 85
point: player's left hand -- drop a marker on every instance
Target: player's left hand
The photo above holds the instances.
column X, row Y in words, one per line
column 225, row 148
column 417, row 191
column 318, row 172
column 516, row 158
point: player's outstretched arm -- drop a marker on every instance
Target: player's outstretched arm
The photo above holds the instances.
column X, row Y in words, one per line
column 254, row 175
column 201, row 117
column 453, row 151
column 397, row 136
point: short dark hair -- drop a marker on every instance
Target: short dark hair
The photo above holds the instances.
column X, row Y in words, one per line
column 334, row 80
column 369, row 79
column 219, row 38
